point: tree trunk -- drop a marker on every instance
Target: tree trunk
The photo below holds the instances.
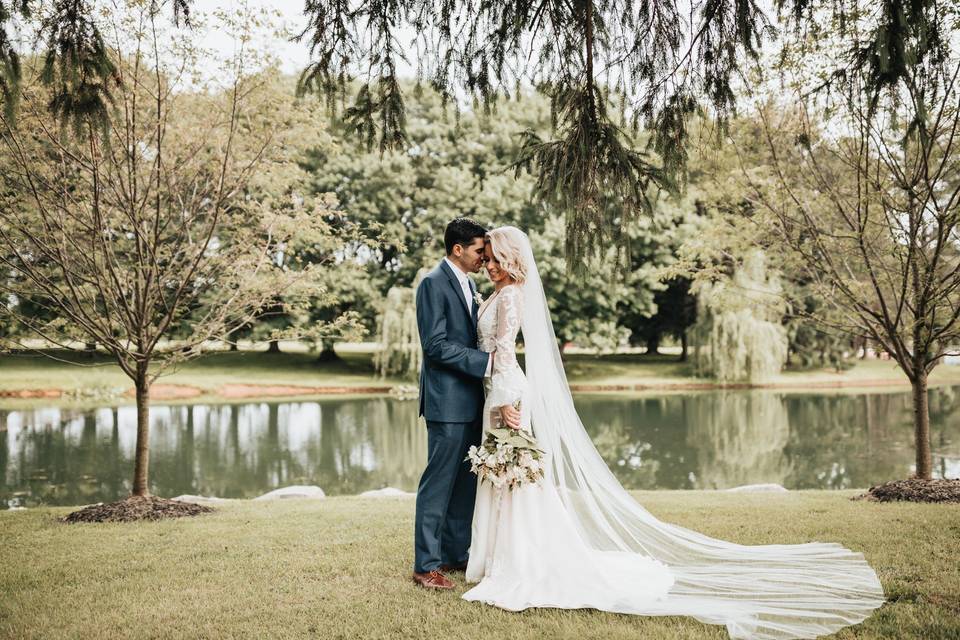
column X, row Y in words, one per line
column 274, row 346
column 683, row 346
column 921, row 427
column 141, row 463
column 327, row 353
column 234, row 346
column 653, row 344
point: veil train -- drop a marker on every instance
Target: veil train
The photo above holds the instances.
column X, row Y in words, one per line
column 762, row 592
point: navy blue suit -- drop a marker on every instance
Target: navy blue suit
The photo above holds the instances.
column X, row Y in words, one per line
column 451, row 401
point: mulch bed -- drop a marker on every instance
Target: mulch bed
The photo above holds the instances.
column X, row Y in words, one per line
column 914, row 490
column 134, row 509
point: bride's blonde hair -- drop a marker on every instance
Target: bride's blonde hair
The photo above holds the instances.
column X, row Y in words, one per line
column 509, row 253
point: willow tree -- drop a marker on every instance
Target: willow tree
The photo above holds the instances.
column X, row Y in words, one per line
column 150, row 233
column 739, row 331
column 609, row 67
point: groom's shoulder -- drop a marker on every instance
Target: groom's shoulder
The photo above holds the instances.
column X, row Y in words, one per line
column 433, row 275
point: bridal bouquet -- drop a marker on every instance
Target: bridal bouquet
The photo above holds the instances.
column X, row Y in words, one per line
column 507, row 458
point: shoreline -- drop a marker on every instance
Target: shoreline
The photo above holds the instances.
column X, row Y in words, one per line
column 310, row 493
column 237, row 391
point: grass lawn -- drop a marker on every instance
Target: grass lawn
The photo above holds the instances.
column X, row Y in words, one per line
column 339, row 568
column 33, row 371
column 354, row 369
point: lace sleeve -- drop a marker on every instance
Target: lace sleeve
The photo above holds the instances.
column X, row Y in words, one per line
column 508, row 382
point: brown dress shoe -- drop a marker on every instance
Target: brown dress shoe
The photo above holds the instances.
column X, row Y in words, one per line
column 433, row 580
column 447, row 568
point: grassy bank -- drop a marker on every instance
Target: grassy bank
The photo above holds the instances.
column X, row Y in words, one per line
column 210, row 374
column 340, row 568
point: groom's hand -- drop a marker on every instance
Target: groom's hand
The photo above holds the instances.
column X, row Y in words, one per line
column 510, row 416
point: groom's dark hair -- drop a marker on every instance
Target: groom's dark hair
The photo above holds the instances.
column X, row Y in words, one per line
column 461, row 231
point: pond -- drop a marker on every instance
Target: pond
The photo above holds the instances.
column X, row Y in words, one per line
column 712, row 440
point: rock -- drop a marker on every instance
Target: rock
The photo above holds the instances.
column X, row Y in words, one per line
column 294, row 491
column 200, row 499
column 759, row 488
column 387, row 492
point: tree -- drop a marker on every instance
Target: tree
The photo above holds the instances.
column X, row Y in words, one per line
column 399, row 350
column 870, row 211
column 660, row 303
column 463, row 167
column 606, row 65
column 739, row 332
column 584, row 312
column 676, row 314
column 452, row 168
column 126, row 238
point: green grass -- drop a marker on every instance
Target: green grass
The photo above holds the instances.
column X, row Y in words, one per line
column 34, row 371
column 339, row 568
column 667, row 370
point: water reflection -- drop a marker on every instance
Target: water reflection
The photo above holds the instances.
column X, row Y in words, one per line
column 692, row 441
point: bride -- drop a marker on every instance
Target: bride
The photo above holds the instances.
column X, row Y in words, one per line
column 579, row 540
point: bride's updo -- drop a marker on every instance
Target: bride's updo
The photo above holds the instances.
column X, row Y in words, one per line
column 508, row 250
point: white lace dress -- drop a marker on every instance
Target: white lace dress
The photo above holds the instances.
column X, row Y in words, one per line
column 525, row 549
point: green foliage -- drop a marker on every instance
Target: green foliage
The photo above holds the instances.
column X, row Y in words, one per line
column 739, row 332
column 665, row 63
column 451, row 169
column 464, row 167
column 399, row 339
column 10, row 72
column 878, row 49
column 812, row 342
column 585, row 311
column 379, row 109
column 590, row 172
column 77, row 66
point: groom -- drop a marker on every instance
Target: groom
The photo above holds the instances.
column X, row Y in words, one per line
column 451, row 401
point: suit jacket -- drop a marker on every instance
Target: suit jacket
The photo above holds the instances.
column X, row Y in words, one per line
column 451, row 376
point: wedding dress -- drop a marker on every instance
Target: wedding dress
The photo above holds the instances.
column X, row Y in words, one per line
column 578, row 539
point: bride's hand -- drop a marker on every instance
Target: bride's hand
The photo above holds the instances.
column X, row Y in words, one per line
column 510, row 416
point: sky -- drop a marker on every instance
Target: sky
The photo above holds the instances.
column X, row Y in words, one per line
column 288, row 15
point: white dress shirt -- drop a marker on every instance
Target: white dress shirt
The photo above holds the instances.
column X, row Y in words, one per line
column 464, row 280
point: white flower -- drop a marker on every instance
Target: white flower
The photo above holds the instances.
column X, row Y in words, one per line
column 478, row 298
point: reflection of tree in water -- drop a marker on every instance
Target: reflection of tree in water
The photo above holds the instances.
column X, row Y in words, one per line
column 739, row 438
column 343, row 446
column 241, row 450
column 854, row 441
column 848, row 441
column 5, row 494
column 68, row 456
column 400, row 438
column 945, row 430
column 641, row 439
column 57, row 457
column 831, row 433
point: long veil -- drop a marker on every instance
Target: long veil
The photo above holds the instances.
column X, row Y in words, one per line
column 765, row 591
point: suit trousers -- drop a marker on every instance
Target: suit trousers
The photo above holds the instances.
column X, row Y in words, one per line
column 446, row 496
